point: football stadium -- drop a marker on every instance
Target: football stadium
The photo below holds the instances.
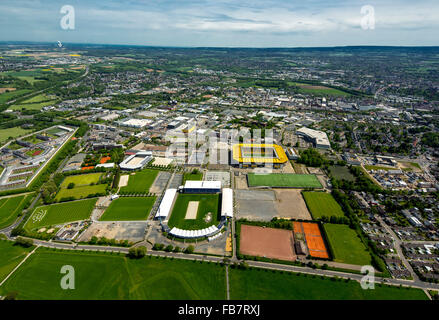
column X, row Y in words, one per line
column 196, row 210
column 251, row 155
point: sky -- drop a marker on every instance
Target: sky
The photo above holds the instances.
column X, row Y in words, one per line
column 223, row 23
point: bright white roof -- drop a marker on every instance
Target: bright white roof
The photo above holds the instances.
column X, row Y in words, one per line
column 227, row 203
column 191, row 184
column 166, row 204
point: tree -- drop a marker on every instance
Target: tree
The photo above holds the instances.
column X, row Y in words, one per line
column 24, row 242
column 137, row 252
column 11, row 295
column 71, row 185
column 190, row 249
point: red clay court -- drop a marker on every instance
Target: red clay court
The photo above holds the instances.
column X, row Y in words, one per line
column 267, row 242
column 314, row 239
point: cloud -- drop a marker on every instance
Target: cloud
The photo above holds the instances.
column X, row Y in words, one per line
column 224, row 22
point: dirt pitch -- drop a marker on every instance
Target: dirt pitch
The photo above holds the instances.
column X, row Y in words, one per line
column 267, row 242
column 290, row 204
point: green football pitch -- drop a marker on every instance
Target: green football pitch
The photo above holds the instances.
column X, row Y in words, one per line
column 207, row 203
column 81, row 180
column 60, row 213
column 140, row 181
column 129, row 209
column 104, row 276
column 322, row 204
column 346, row 245
column 285, row 180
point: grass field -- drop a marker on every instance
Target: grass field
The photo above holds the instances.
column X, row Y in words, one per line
column 341, row 172
column 322, row 204
column 32, row 106
column 81, row 192
column 129, row 209
column 60, row 213
column 12, row 132
column 81, row 180
column 10, row 208
column 10, row 257
column 318, row 90
column 346, row 245
column 192, row 176
column 288, row 180
column 259, row 284
column 112, row 277
column 141, row 181
column 207, row 203
column 5, row 97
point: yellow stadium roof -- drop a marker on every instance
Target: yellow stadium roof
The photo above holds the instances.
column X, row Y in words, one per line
column 237, row 153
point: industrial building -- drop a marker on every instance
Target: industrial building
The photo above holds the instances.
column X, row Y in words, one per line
column 318, row 138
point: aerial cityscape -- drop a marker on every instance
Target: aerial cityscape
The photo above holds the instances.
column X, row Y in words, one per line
column 133, row 171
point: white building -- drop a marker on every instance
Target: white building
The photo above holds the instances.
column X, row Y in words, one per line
column 136, row 161
column 319, row 138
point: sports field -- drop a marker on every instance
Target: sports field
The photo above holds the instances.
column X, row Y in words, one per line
column 101, row 276
column 81, row 180
column 128, row 209
column 10, row 208
column 283, row 180
column 10, row 257
column 81, row 192
column 140, row 181
column 207, row 203
column 263, row 284
column 314, row 239
column 60, row 213
column 346, row 245
column 322, row 204
column 267, row 242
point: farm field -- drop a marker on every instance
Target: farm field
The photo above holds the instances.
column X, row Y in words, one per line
column 32, row 106
column 10, row 257
column 6, row 96
column 114, row 277
column 12, row 132
column 140, row 181
column 346, row 245
column 207, row 203
column 322, row 204
column 60, row 213
column 81, row 180
column 260, row 284
column 129, row 209
column 10, row 208
column 287, row 180
column 81, row 192
column 341, row 172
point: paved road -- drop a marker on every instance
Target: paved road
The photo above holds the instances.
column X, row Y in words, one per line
column 397, row 244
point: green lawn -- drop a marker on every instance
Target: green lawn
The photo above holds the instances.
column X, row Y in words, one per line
column 207, row 203
column 140, row 181
column 346, row 245
column 32, row 106
column 290, row 180
column 192, row 176
column 260, row 284
column 10, row 257
column 128, row 209
column 81, row 192
column 341, row 172
column 12, row 132
column 81, row 180
column 60, row 213
column 101, row 276
column 322, row 204
column 10, row 208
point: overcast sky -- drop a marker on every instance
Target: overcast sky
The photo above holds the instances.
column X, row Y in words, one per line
column 230, row 23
